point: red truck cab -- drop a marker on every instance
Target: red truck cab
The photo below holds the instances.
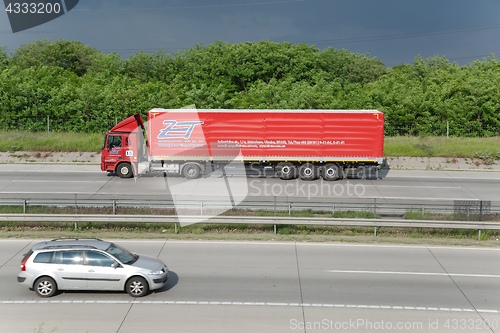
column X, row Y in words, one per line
column 124, row 147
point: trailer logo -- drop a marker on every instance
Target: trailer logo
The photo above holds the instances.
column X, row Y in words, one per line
column 178, row 129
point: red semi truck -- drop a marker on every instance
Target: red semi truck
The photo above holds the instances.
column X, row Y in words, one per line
column 308, row 144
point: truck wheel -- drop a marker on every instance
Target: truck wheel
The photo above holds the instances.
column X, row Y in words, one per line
column 191, row 171
column 307, row 171
column 124, row 170
column 331, row 171
column 286, row 170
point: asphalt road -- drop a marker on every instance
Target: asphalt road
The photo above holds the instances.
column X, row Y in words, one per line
column 51, row 181
column 275, row 287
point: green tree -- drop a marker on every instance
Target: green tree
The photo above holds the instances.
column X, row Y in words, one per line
column 74, row 56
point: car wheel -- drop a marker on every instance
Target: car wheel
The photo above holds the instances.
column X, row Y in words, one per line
column 45, row 287
column 137, row 286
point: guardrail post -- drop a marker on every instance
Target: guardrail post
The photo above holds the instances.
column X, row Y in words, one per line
column 274, row 206
column 479, row 235
column 374, row 207
column 76, row 204
column 201, row 208
column 24, row 206
column 275, row 230
column 289, row 209
column 175, row 228
column 375, row 231
column 114, row 207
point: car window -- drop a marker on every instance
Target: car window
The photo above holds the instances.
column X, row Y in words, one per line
column 69, row 257
column 44, row 257
column 98, row 259
column 121, row 254
column 27, row 255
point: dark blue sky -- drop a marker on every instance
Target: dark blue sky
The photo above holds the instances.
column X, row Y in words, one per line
column 394, row 31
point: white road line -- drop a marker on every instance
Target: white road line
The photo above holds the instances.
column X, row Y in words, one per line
column 420, row 186
column 257, row 304
column 58, row 181
column 310, row 244
column 413, row 273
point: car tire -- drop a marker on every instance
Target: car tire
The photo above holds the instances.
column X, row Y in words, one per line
column 137, row 286
column 45, row 287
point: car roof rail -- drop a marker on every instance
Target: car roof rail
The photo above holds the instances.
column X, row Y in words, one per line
column 73, row 246
column 64, row 239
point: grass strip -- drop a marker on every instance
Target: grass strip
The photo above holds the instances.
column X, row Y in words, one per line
column 411, row 146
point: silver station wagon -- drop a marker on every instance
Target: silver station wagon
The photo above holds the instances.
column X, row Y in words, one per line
column 89, row 264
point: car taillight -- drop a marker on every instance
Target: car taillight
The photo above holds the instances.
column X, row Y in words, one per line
column 23, row 264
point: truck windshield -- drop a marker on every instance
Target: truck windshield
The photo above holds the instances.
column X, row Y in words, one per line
column 104, row 143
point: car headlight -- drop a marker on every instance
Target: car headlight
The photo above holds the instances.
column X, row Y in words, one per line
column 159, row 272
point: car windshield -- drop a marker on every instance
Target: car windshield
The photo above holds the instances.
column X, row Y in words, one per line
column 122, row 254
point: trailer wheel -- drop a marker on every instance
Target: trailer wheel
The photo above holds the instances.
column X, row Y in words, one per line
column 307, row 171
column 331, row 171
column 286, row 170
column 191, row 171
column 124, row 170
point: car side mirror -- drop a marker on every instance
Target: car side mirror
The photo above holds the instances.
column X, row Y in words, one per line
column 116, row 265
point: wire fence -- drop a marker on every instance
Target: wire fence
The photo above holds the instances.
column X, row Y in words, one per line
column 445, row 129
column 439, row 129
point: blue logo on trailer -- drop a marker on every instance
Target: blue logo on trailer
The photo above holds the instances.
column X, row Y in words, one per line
column 178, row 129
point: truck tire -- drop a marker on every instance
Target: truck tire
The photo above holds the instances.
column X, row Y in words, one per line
column 307, row 171
column 286, row 170
column 124, row 170
column 191, row 171
column 331, row 171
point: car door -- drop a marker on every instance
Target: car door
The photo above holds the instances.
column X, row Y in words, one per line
column 103, row 272
column 69, row 270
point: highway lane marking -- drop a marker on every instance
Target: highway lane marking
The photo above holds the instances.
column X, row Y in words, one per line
column 257, row 304
column 326, row 244
column 58, row 181
column 414, row 273
column 426, row 187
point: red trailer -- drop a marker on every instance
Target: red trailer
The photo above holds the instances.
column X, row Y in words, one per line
column 294, row 143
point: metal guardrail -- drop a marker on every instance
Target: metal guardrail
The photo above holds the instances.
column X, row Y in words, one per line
column 376, row 206
column 273, row 220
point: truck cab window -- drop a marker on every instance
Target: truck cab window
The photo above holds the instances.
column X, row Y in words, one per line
column 115, row 142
